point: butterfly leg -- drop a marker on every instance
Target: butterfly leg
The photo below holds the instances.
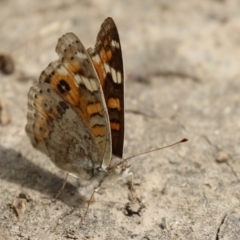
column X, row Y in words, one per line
column 90, row 200
column 131, row 185
column 62, row 188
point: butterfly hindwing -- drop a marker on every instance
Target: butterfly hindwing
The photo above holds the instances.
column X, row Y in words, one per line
column 54, row 127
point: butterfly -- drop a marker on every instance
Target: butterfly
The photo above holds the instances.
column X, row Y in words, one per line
column 76, row 109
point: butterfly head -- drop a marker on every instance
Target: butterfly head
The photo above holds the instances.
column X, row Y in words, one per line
column 121, row 168
column 118, row 169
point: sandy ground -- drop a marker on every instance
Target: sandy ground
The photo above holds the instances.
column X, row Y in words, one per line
column 182, row 80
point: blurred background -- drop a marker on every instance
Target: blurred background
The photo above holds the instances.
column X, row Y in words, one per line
column 181, row 61
column 156, row 35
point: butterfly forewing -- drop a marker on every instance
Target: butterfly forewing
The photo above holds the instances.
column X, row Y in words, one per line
column 107, row 60
column 74, row 78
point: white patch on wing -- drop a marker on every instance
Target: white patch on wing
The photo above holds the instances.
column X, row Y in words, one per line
column 93, row 84
column 77, row 79
column 96, row 58
column 119, row 77
column 115, row 44
column 107, row 68
column 62, row 71
column 87, row 83
column 114, row 75
column 81, row 55
column 90, row 84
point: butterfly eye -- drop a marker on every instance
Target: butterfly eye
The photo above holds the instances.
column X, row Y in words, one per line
column 99, row 169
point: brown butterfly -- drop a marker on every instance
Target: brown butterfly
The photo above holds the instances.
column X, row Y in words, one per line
column 76, row 110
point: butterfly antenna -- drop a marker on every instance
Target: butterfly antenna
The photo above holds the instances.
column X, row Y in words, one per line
column 157, row 149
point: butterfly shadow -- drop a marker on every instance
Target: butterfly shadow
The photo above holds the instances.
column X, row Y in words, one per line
column 17, row 169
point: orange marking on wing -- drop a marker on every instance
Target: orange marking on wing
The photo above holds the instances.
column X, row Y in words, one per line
column 105, row 42
column 103, row 55
column 50, row 114
column 94, row 108
column 74, row 67
column 115, row 126
column 109, row 55
column 114, row 103
column 100, row 71
column 74, row 97
column 106, row 56
column 71, row 98
column 98, row 130
column 42, row 134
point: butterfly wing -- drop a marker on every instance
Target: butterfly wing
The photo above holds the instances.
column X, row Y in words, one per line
column 54, row 129
column 107, row 60
column 74, row 80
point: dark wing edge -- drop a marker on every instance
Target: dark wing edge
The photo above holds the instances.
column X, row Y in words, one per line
column 107, row 60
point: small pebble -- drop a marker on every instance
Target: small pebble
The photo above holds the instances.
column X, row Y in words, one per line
column 222, row 157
